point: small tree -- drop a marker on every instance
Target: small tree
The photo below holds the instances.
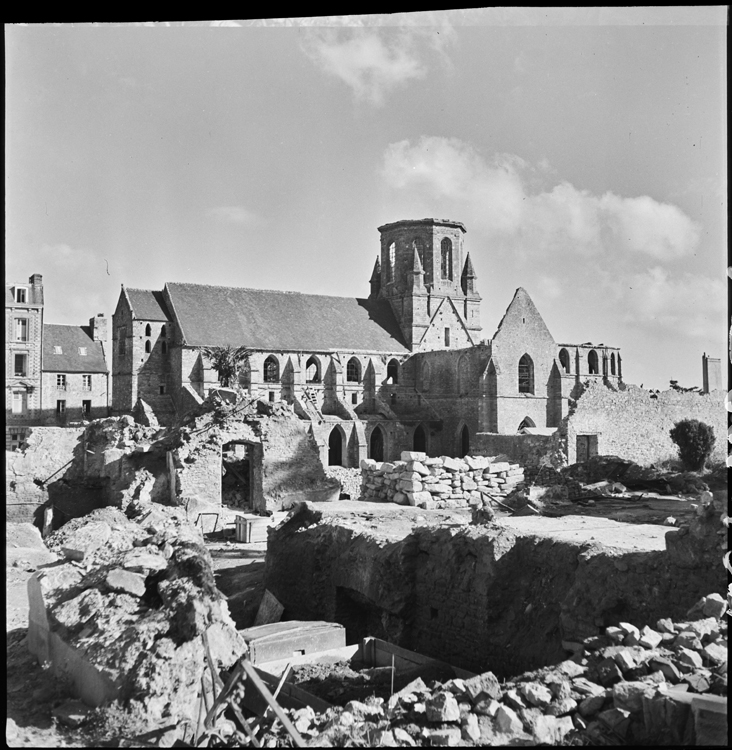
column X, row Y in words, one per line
column 695, row 440
column 226, row 361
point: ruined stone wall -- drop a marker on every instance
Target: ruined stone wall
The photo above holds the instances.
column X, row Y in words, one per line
column 291, row 466
column 632, row 424
column 527, row 450
column 47, row 450
column 480, row 597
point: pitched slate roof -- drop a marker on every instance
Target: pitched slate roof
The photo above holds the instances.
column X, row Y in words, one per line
column 271, row 320
column 147, row 304
column 70, row 338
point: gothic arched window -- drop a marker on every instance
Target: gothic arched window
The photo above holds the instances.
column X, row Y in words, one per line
column 148, row 347
column 148, row 330
column 271, row 370
column 353, row 371
column 612, row 363
column 525, row 375
column 592, row 363
column 564, row 360
column 446, row 258
column 312, row 371
column 392, row 261
column 392, row 372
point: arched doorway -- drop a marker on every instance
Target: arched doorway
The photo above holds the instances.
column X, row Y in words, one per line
column 376, row 445
column 526, row 422
column 420, row 440
column 464, row 441
column 335, row 448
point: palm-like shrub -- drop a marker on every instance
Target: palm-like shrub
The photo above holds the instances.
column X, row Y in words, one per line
column 695, row 440
column 226, row 361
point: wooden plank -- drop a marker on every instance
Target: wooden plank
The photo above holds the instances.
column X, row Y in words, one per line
column 379, row 654
column 291, row 696
column 279, row 713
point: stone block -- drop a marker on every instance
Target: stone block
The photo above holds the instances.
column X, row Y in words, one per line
column 715, row 653
column 451, row 464
column 666, row 667
column 714, row 606
column 125, row 581
column 400, row 498
column 688, row 659
column 624, row 659
column 507, row 721
column 687, row 639
column 536, row 694
column 442, row 707
column 617, row 721
column 513, row 699
column 628, row 696
column 710, row 720
column 469, row 728
column 665, row 625
column 413, row 456
column 141, row 560
column 417, row 467
column 497, row 468
column 609, row 672
column 649, row 638
column 592, row 704
column 562, row 707
column 410, row 485
column 448, row 737
column 418, row 498
column 482, row 686
column 616, row 635
column 486, row 707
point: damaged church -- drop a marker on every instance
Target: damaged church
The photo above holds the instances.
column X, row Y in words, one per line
column 402, row 369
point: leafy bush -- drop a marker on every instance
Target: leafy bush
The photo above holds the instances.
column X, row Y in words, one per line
column 695, row 440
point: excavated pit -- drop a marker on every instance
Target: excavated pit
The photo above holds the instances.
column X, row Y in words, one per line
column 507, row 597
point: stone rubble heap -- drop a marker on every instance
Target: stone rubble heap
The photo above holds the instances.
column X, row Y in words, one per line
column 437, row 483
column 123, row 617
column 628, row 686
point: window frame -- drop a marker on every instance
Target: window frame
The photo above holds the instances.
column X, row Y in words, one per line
column 353, row 365
column 271, row 371
column 446, row 259
column 20, row 372
column 86, row 382
column 21, row 291
column 61, row 381
column 22, row 329
column 526, row 375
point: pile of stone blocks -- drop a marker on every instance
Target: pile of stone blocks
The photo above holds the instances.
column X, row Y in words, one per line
column 629, row 686
column 437, row 483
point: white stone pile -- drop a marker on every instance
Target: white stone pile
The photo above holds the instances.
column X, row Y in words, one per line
column 437, row 483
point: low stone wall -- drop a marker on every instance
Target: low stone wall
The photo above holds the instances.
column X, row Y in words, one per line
column 436, row 483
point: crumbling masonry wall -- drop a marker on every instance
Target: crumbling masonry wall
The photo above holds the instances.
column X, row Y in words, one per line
column 634, row 424
column 498, row 597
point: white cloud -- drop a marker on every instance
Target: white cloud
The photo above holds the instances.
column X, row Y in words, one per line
column 374, row 62
column 689, row 304
column 235, row 215
column 503, row 197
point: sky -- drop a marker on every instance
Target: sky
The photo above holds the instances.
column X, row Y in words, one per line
column 584, row 150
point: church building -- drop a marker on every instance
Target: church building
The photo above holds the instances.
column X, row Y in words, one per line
column 402, row 369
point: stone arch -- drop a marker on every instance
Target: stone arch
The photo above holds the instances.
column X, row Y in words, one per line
column 148, row 347
column 313, row 370
column 527, row 421
column 593, row 364
column 392, row 372
column 337, row 442
column 271, row 369
column 353, row 371
column 565, row 361
column 419, row 439
column 377, row 444
column 446, row 258
column 462, row 440
column 612, row 363
column 148, row 330
column 526, row 374
column 463, row 375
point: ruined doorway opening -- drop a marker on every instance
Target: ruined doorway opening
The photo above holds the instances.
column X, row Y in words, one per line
column 335, row 448
column 376, row 445
column 464, row 441
column 419, row 442
column 586, row 447
column 236, row 475
column 360, row 616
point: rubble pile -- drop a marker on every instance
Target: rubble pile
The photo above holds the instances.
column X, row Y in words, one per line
column 123, row 617
column 628, row 686
column 438, row 483
column 350, row 480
